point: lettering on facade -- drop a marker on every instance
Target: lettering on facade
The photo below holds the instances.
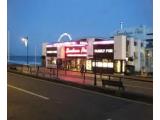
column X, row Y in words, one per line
column 103, row 50
column 76, row 50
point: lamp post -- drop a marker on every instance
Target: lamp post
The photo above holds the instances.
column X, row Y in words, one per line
column 35, row 57
column 25, row 41
column 95, row 70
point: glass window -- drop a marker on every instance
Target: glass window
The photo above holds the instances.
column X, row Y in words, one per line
column 117, row 67
column 135, row 43
column 141, row 44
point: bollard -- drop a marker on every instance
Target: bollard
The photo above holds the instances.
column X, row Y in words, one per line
column 30, row 69
column 44, row 72
column 50, row 72
column 65, row 72
column 57, row 71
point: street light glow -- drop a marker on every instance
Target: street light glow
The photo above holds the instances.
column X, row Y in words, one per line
column 25, row 41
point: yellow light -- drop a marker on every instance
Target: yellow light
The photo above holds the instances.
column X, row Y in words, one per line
column 118, row 66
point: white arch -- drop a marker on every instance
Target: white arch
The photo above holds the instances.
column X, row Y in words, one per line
column 64, row 34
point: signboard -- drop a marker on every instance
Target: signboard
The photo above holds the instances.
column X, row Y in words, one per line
column 76, row 51
column 103, row 50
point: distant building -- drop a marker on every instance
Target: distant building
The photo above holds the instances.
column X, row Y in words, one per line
column 149, row 53
column 143, row 37
column 139, row 32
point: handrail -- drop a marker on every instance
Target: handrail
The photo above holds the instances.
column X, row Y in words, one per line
column 125, row 77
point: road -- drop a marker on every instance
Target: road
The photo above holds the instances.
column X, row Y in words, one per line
column 35, row 99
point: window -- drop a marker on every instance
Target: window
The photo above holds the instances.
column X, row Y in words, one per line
column 135, row 43
column 135, row 55
column 141, row 44
column 104, row 63
column 127, row 45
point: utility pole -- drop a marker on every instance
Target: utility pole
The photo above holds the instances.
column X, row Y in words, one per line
column 95, row 76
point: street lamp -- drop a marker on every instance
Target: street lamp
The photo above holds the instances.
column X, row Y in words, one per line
column 95, row 70
column 25, row 41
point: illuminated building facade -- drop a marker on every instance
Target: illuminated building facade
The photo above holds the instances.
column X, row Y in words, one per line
column 110, row 56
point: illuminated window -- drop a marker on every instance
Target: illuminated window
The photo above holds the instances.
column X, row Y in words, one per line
column 104, row 63
column 88, row 65
column 117, row 67
column 123, row 66
column 110, row 65
column 135, row 43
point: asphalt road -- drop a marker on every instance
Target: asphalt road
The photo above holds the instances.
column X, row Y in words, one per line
column 35, row 99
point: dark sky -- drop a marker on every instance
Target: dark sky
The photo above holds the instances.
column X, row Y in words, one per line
column 45, row 20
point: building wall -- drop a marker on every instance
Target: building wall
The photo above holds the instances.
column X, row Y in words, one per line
column 130, row 51
column 139, row 60
column 120, row 47
column 44, row 49
column 44, row 54
column 131, row 48
column 149, row 53
column 149, row 60
column 137, row 56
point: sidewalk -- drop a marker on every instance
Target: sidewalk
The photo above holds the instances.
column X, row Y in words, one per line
column 134, row 84
column 141, row 90
column 140, row 87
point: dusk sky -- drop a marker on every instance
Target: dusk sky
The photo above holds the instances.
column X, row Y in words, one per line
column 45, row 20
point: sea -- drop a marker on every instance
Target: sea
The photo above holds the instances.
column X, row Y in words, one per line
column 23, row 60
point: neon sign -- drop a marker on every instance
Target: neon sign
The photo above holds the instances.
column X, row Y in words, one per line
column 103, row 50
column 99, row 50
column 72, row 50
column 76, row 51
column 103, row 42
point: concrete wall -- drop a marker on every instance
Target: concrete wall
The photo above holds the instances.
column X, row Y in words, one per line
column 120, row 47
column 131, row 49
column 44, row 49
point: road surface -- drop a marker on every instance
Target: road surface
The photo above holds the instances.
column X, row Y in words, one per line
column 35, row 99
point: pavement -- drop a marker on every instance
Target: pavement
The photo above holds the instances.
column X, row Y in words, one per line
column 35, row 99
column 133, row 84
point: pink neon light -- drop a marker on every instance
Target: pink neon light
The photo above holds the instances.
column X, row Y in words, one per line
column 76, row 45
column 103, row 42
column 76, row 55
column 62, row 44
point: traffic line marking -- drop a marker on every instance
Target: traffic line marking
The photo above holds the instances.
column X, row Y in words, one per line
column 29, row 92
